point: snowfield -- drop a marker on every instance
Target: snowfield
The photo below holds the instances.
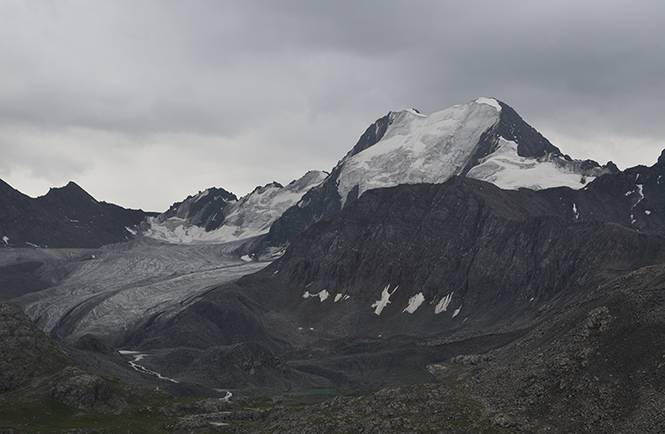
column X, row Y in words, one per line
column 418, row 149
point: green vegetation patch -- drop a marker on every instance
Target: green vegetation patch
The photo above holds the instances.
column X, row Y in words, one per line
column 126, row 410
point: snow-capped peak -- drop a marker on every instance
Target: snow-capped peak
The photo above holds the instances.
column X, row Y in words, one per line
column 483, row 139
column 417, row 148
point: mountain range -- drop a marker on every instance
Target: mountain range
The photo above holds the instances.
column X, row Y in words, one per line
column 445, row 249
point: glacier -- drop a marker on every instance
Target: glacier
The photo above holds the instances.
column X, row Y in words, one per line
column 245, row 218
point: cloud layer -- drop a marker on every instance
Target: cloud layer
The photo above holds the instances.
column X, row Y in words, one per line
column 145, row 102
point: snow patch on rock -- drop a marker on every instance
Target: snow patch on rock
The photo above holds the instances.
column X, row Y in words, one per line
column 322, row 295
column 380, row 304
column 442, row 305
column 414, row 303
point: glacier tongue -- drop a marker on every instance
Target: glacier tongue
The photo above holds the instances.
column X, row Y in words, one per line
column 112, row 290
column 419, row 149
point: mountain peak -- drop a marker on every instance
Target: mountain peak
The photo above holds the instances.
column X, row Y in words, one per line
column 484, row 139
column 72, row 190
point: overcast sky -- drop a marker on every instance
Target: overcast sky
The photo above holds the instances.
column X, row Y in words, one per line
column 143, row 103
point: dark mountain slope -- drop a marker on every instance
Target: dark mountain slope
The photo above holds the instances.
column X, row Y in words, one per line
column 454, row 260
column 596, row 368
column 64, row 217
column 491, row 257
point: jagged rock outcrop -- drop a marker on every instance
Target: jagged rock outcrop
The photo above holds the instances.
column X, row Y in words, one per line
column 464, row 255
column 204, row 209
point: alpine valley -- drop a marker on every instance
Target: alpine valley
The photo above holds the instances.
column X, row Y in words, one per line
column 454, row 272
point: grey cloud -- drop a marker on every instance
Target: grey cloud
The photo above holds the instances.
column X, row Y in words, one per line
column 273, row 71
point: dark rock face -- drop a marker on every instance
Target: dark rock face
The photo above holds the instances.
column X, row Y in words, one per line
column 497, row 256
column 220, row 319
column 239, row 366
column 64, row 217
column 372, row 135
column 204, row 209
column 94, row 344
column 318, row 203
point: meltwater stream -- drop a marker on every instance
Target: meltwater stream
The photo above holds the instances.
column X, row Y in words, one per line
column 138, row 356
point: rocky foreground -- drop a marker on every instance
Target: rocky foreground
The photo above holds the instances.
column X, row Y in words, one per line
column 598, row 367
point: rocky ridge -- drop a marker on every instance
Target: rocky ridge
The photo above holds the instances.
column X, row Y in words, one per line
column 64, row 217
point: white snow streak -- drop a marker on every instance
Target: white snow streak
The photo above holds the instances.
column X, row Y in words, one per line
column 442, row 306
column 380, row 304
column 640, row 192
column 6, row 239
column 457, row 311
column 323, row 295
column 414, row 303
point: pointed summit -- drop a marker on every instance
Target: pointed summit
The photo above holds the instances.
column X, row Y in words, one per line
column 484, row 139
